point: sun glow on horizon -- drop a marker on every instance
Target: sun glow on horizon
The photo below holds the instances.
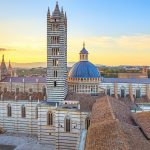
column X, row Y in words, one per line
column 110, row 41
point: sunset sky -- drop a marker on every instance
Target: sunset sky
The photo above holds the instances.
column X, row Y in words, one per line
column 116, row 32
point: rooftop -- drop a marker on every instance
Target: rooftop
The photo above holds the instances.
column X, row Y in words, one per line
column 112, row 127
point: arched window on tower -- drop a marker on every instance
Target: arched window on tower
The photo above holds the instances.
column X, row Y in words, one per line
column 87, row 123
column 49, row 118
column 9, row 110
column 67, row 124
column 23, row 111
column 55, row 62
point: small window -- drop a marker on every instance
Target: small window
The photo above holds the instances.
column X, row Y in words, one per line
column 44, row 91
column 87, row 123
column 36, row 112
column 55, row 83
column 55, row 73
column 54, row 39
column 55, row 62
column 122, row 93
column 49, row 118
column 108, row 92
column 55, row 51
column 17, row 90
column 9, row 111
column 23, row 111
column 138, row 93
column 68, row 124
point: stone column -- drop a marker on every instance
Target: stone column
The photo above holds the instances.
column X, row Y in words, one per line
column 147, row 91
column 116, row 90
column 131, row 92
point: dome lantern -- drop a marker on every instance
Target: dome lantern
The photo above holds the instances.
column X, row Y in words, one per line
column 83, row 54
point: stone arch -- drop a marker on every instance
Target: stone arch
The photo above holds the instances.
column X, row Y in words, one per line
column 122, row 91
column 49, row 118
column 67, row 122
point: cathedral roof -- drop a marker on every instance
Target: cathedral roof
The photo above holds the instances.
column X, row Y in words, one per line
column 84, row 69
column 25, row 79
column 126, row 80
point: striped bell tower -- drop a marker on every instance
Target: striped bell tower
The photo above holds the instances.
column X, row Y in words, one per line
column 56, row 55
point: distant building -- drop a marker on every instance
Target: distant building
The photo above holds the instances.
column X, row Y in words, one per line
column 143, row 74
column 4, row 71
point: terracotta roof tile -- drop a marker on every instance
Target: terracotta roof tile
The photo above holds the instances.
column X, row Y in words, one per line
column 86, row 100
column 112, row 127
column 143, row 120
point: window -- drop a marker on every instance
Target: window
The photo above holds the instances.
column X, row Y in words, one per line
column 23, row 111
column 36, row 112
column 44, row 91
column 55, row 73
column 9, row 111
column 55, row 83
column 138, row 93
column 122, row 92
column 108, row 92
column 87, row 123
column 55, row 62
column 49, row 118
column 54, row 39
column 55, row 51
column 55, row 27
column 17, row 90
column 67, row 124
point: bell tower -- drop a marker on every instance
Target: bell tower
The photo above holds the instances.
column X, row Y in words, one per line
column 56, row 55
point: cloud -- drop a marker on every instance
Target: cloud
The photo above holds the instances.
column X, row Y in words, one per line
column 5, row 49
column 132, row 42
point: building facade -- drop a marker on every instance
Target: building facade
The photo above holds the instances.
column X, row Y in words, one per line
column 56, row 55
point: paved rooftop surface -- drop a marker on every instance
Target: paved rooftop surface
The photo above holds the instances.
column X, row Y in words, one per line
column 22, row 142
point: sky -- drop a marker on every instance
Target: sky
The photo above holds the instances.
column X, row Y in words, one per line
column 116, row 32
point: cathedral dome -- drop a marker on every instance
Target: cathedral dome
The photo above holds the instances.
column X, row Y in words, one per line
column 84, row 69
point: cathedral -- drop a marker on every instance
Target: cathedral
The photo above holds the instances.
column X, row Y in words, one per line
column 58, row 108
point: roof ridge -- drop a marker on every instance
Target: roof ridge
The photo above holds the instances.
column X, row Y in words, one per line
column 111, row 110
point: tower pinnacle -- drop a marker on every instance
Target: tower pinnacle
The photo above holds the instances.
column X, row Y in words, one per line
column 3, row 58
column 56, row 12
column 83, row 44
